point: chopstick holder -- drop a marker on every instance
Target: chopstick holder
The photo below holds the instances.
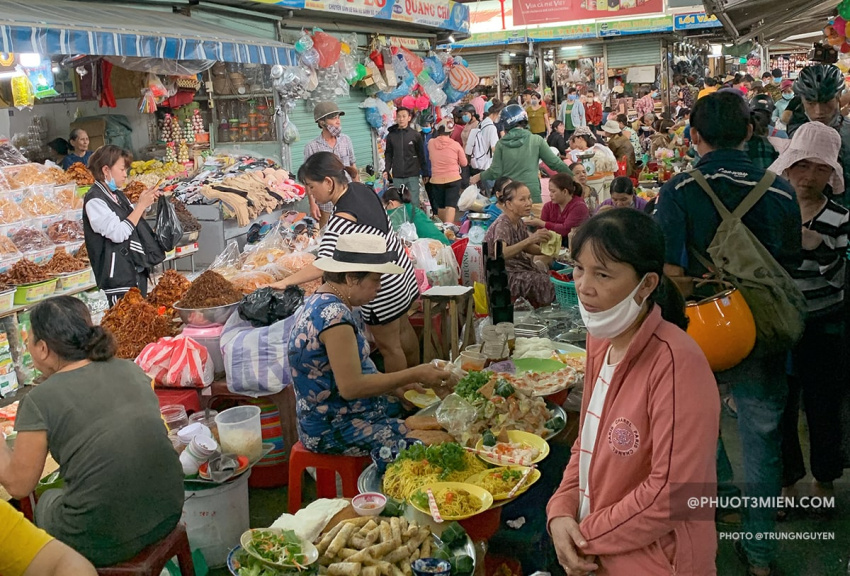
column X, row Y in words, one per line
column 522, row 481
column 435, row 510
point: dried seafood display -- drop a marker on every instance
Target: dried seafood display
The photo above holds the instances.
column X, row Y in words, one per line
column 170, row 289
column 133, row 190
column 29, row 240
column 64, row 263
column 210, row 290
column 81, row 175
column 66, row 231
column 135, row 324
column 24, row 272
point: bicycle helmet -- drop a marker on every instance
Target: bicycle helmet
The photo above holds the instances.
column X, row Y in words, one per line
column 819, row 83
column 513, row 115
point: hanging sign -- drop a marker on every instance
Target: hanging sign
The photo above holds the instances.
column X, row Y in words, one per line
column 545, row 11
column 492, row 39
column 695, row 21
column 443, row 14
column 636, row 26
column 573, row 32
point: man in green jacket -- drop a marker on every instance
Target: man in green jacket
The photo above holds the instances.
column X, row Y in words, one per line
column 519, row 153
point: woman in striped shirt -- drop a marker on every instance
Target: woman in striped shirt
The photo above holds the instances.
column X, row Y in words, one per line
column 817, row 367
column 357, row 209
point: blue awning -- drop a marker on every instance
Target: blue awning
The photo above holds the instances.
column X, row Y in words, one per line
column 59, row 27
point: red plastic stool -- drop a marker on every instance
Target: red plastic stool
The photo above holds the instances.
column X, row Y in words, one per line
column 151, row 560
column 186, row 397
column 326, row 465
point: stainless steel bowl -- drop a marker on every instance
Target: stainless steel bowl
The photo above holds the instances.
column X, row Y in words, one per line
column 205, row 316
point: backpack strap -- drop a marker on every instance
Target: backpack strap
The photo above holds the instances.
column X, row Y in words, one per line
column 746, row 204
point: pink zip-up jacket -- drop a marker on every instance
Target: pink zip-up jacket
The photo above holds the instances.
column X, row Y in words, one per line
column 447, row 158
column 655, row 448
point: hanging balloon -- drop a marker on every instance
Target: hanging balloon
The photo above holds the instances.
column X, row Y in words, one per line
column 845, row 48
column 833, row 38
column 422, row 102
column 304, row 43
column 844, row 9
column 409, row 102
column 310, row 58
column 840, row 25
column 361, row 72
column 328, row 48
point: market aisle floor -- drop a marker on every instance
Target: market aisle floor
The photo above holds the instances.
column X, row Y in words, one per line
column 796, row 558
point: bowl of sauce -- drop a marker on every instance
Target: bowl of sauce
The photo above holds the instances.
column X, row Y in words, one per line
column 369, row 503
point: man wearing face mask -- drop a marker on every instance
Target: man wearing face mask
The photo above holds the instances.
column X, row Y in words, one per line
column 820, row 88
column 327, row 117
column 720, row 125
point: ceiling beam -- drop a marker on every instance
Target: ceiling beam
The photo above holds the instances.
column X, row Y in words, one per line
column 769, row 28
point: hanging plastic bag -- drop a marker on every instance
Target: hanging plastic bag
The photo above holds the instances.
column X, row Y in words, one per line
column 304, row 43
column 41, row 78
column 177, row 363
column 266, row 306
column 347, row 68
column 290, row 132
column 463, row 79
column 229, row 261
column 22, row 94
column 328, row 48
column 413, row 61
column 169, row 230
column 310, row 58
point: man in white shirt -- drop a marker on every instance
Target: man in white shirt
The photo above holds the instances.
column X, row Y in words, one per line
column 482, row 143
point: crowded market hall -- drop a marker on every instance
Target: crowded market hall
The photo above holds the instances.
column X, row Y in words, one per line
column 582, row 264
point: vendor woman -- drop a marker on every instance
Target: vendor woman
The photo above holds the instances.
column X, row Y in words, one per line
column 115, row 247
column 99, row 419
column 566, row 210
column 77, row 149
column 649, row 419
column 400, row 210
column 344, row 404
column 358, row 209
column 525, row 278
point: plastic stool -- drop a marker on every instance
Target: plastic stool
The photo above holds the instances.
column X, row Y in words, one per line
column 326, row 465
column 186, row 397
column 151, row 560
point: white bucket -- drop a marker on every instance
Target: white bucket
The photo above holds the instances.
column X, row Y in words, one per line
column 216, row 517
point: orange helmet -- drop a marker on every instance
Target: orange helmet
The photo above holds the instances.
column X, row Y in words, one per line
column 723, row 326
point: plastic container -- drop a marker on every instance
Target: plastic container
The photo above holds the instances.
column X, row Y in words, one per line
column 175, row 416
column 215, row 517
column 73, row 281
column 472, row 361
column 7, row 299
column 40, row 256
column 32, row 293
column 240, row 432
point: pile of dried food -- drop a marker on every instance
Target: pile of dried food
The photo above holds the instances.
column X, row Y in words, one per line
column 66, row 231
column 67, row 197
column 28, row 175
column 210, row 290
column 24, row 272
column 83, row 253
column 135, row 324
column 133, row 190
column 30, row 240
column 189, row 222
column 59, row 176
column 170, row 289
column 64, row 263
column 81, row 174
column 38, row 205
column 7, row 248
column 11, row 212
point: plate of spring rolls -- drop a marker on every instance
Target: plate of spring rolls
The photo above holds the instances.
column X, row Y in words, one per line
column 381, row 546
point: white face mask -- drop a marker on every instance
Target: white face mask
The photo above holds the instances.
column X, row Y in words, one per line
column 614, row 321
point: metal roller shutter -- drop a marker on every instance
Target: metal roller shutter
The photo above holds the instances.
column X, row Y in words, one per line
column 637, row 52
column 482, row 64
column 353, row 125
column 590, row 51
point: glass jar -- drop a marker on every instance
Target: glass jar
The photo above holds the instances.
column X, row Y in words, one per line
column 255, row 133
column 265, row 133
column 208, row 422
column 235, row 134
column 175, row 416
column 224, row 131
column 245, row 130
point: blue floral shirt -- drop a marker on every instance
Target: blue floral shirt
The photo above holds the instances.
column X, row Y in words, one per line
column 327, row 422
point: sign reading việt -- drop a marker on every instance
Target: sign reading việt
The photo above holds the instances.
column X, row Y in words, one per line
column 528, row 12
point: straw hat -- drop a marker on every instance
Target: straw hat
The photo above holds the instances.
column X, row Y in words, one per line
column 611, row 127
column 360, row 253
column 812, row 141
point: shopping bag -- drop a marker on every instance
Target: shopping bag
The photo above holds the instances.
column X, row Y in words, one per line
column 177, row 362
column 169, row 230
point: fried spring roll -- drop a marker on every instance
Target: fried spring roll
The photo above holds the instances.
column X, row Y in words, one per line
column 344, row 569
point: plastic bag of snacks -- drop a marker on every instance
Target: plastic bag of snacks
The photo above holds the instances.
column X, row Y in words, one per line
column 228, row 262
column 177, row 363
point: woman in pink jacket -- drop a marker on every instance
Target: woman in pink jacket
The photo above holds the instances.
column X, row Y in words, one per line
column 649, row 417
column 447, row 158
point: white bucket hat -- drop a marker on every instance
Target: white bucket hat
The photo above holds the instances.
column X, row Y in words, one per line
column 811, row 141
column 360, row 253
column 611, row 127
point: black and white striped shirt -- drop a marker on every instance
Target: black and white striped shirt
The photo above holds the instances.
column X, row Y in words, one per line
column 398, row 291
column 821, row 275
